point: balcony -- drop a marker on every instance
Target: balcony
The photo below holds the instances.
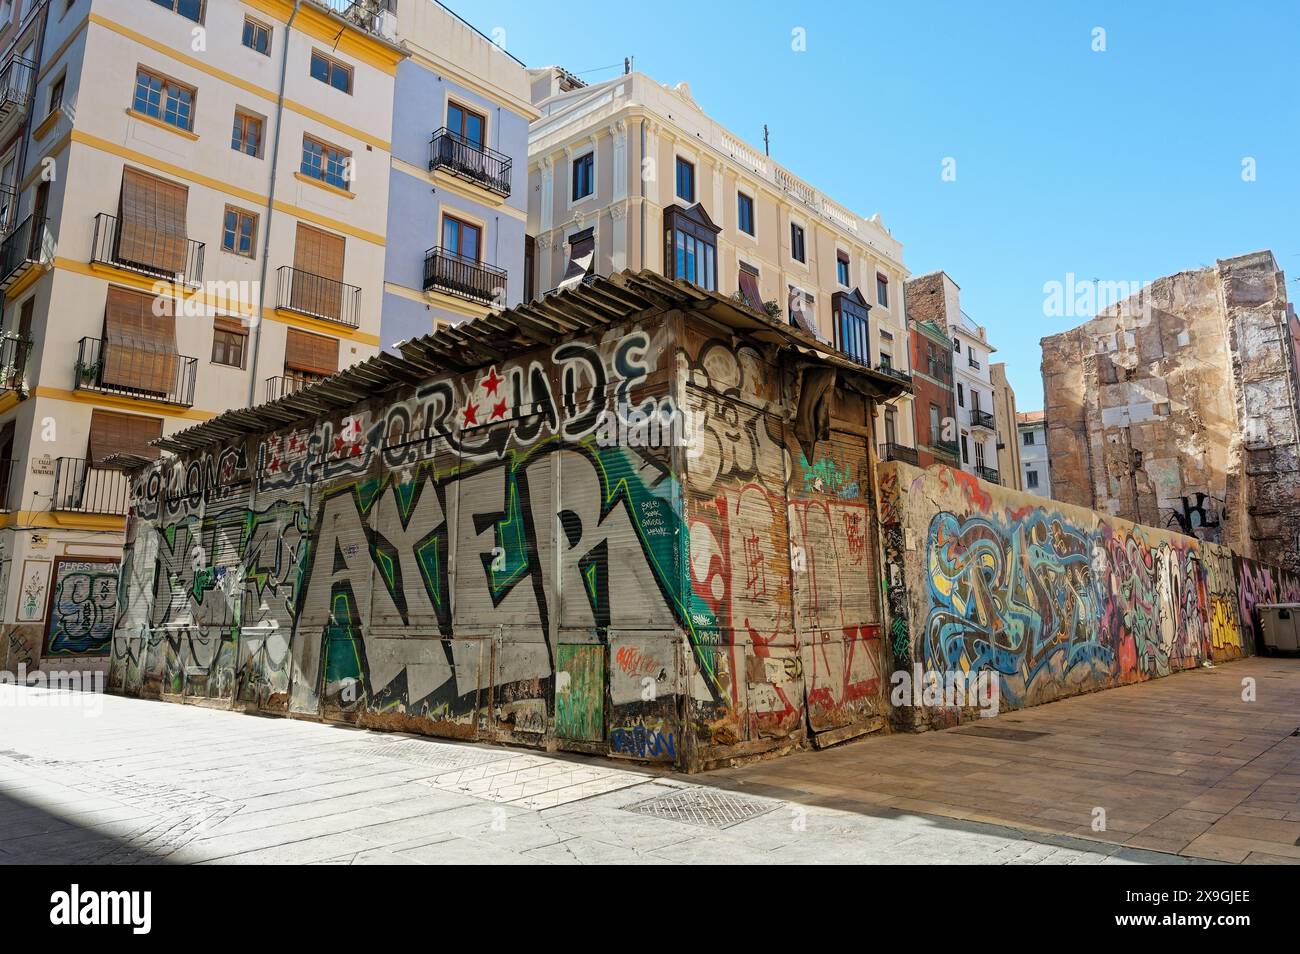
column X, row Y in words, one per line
column 469, row 161
column 138, row 372
column 938, row 368
column 970, row 360
column 283, row 385
column 947, row 448
column 886, row 367
column 318, row 297
column 81, row 487
column 17, row 77
column 14, row 352
column 982, row 419
column 21, row 251
column 9, row 482
column 891, row 451
column 987, row 474
column 452, row 274
column 147, row 251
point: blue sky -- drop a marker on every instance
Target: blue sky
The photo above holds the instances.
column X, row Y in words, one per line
column 1122, row 165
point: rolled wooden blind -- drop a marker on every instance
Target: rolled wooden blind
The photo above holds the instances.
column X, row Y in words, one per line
column 151, row 223
column 317, row 273
column 114, row 433
column 226, row 323
column 315, row 354
column 139, row 349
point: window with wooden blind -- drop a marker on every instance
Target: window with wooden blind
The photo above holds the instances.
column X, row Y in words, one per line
column 139, row 352
column 151, row 223
column 310, row 354
column 229, row 341
column 317, row 273
column 112, row 433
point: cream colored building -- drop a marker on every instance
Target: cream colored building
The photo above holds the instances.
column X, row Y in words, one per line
column 200, row 194
column 1008, row 436
column 630, row 173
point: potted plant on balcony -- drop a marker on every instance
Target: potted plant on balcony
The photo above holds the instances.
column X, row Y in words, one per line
column 88, row 374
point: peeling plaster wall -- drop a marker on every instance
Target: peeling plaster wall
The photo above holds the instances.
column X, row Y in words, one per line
column 1175, row 408
column 476, row 558
column 1054, row 599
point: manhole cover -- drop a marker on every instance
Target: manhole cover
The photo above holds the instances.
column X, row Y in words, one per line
column 705, row 807
column 429, row 753
column 998, row 732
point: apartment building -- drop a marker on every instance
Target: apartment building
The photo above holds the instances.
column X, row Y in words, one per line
column 934, row 394
column 1035, row 464
column 457, row 197
column 1004, row 418
column 198, row 220
column 630, row 173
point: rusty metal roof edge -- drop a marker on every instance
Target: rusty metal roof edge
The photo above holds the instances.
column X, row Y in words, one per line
column 646, row 287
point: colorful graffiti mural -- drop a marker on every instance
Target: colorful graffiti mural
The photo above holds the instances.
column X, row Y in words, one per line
column 83, row 606
column 476, row 559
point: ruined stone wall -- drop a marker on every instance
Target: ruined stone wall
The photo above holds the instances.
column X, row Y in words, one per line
column 483, row 556
column 1054, row 599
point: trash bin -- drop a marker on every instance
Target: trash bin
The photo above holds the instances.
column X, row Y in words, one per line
column 1280, row 623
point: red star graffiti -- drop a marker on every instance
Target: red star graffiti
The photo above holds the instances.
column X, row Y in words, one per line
column 471, row 414
column 491, row 382
column 499, row 409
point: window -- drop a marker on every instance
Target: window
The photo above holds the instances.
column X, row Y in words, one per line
column 469, row 126
column 1028, row 438
column 239, row 233
column 317, row 287
column 935, row 423
column 971, row 359
column 461, row 239
column 1031, row 478
column 326, row 163
column 229, row 341
column 189, row 9
column 961, row 395
column 331, row 72
column 886, row 359
column 979, row 453
column 247, row 135
column 796, row 243
column 112, row 432
column 56, row 95
column 257, row 36
column 745, row 213
column 151, row 233
column 842, row 269
column 956, row 345
column 891, row 426
column 685, row 180
column 139, row 349
column 584, row 176
column 882, row 290
column 974, row 400
column 308, row 357
column 164, row 99
column 692, row 246
column 965, row 449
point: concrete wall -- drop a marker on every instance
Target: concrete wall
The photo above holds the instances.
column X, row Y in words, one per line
column 1055, row 599
column 524, row 579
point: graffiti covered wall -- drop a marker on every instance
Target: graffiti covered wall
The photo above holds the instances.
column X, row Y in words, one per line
column 1053, row 599
column 488, row 555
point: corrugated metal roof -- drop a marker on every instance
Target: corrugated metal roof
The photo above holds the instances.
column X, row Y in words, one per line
column 492, row 338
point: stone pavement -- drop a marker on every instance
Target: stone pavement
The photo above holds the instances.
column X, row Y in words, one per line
column 151, row 782
column 1180, row 764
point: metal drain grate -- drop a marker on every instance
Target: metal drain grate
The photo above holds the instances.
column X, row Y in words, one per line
column 998, row 732
column 439, row 755
column 705, row 807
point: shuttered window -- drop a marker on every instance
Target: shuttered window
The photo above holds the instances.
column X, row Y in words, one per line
column 114, row 433
column 314, row 354
column 317, row 273
column 139, row 352
column 151, row 230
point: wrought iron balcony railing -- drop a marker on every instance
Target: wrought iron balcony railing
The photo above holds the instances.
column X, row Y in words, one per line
column 982, row 419
column 987, row 474
column 891, row 451
column 318, row 297
column 8, row 207
column 138, row 371
column 9, row 482
column 21, row 250
column 886, row 368
column 938, row 368
column 82, row 487
column 851, row 337
column 17, row 76
column 286, row 384
column 14, row 352
column 948, row 448
column 468, row 160
column 454, row 274
column 970, row 360
column 147, row 250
